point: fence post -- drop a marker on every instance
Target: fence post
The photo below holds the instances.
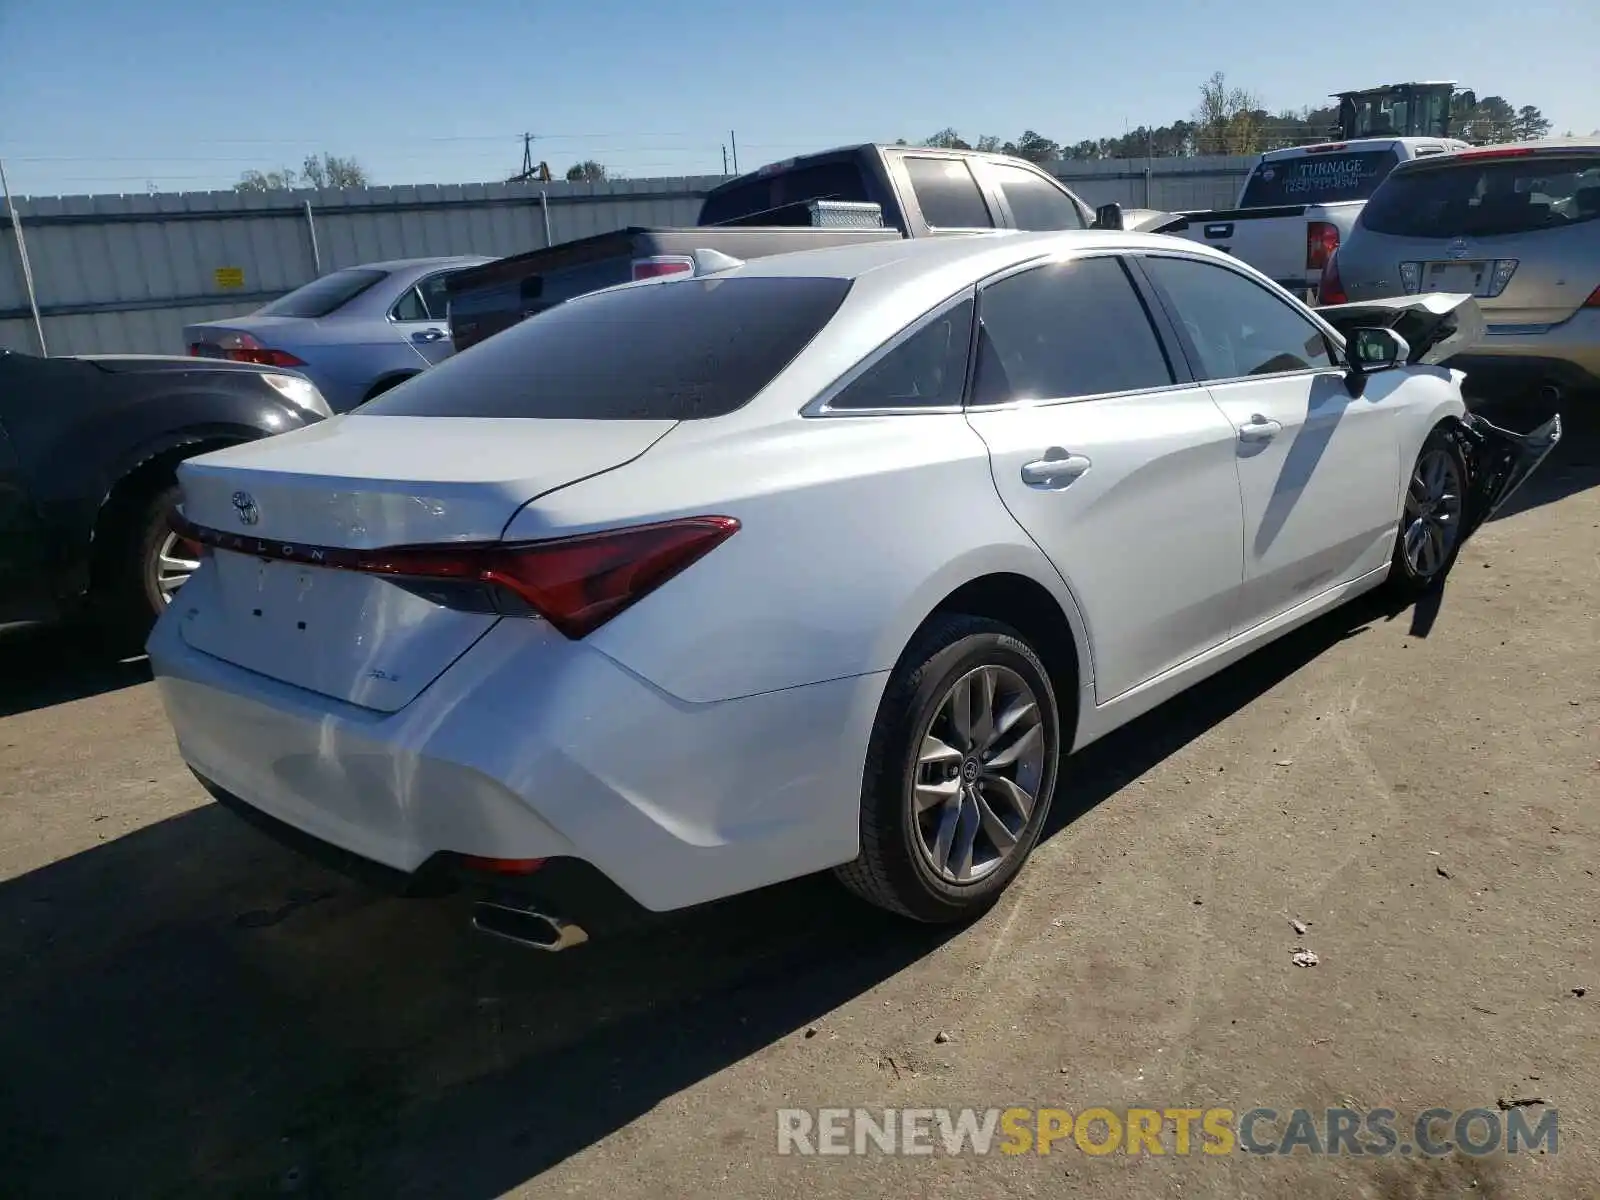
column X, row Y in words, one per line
column 22, row 253
column 544, row 207
column 316, row 255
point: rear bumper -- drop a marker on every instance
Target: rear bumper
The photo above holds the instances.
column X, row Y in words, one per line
column 1568, row 353
column 531, row 746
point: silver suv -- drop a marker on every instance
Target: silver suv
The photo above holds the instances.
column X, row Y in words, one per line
column 1518, row 227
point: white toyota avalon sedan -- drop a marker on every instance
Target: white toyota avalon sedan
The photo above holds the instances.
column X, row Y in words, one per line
column 826, row 560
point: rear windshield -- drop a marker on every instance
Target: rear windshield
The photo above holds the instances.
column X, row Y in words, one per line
column 1318, row 178
column 322, row 296
column 747, row 202
column 678, row 350
column 1476, row 198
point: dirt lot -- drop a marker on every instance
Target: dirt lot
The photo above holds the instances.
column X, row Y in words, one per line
column 187, row 1009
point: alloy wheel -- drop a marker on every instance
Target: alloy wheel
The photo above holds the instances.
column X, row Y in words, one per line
column 176, row 560
column 1432, row 513
column 977, row 776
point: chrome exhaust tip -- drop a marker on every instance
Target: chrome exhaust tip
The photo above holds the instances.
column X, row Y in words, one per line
column 525, row 927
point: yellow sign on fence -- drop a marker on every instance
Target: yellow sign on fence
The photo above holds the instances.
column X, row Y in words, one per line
column 229, row 277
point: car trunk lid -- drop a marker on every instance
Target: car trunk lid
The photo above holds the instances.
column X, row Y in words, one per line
column 282, row 509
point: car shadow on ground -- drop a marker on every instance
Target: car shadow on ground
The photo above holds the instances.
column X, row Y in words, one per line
column 45, row 665
column 195, row 1010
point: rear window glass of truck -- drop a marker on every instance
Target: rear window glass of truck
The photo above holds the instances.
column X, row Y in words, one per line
column 1318, row 178
column 1477, row 198
column 746, row 203
column 677, row 350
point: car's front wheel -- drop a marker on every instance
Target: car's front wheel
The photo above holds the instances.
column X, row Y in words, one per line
column 1432, row 518
column 960, row 771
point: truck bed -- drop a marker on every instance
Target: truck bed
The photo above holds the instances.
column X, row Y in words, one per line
column 497, row 295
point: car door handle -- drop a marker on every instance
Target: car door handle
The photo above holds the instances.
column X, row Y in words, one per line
column 428, row 335
column 1055, row 470
column 1259, row 429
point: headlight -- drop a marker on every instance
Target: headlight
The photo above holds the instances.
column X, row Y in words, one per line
column 301, row 393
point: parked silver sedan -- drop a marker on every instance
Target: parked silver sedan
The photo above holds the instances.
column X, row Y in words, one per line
column 1517, row 226
column 356, row 333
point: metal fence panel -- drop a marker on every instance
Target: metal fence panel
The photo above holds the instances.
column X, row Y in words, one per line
column 125, row 273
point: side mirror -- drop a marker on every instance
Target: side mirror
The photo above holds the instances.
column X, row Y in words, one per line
column 1108, row 216
column 1371, row 350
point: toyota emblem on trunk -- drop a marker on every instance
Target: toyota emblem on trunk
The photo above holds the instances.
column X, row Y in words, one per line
column 245, row 505
column 1457, row 248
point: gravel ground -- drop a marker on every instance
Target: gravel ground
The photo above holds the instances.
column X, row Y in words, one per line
column 187, row 1009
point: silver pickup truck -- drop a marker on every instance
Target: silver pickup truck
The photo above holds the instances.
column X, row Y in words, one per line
column 1299, row 203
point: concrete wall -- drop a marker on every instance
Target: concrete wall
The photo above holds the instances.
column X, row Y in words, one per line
column 125, row 273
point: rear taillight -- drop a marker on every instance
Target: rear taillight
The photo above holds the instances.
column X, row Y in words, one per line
column 263, row 356
column 244, row 347
column 1331, row 289
column 576, row 583
column 664, row 264
column 1322, row 239
column 1594, row 299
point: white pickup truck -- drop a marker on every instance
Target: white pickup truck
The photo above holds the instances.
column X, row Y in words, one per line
column 1300, row 202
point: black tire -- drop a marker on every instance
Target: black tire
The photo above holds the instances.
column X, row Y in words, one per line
column 892, row 870
column 128, row 598
column 1405, row 582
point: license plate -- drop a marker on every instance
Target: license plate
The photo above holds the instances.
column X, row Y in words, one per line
column 1470, row 278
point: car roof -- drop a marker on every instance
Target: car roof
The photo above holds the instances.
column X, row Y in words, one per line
column 403, row 264
column 1542, row 147
column 971, row 256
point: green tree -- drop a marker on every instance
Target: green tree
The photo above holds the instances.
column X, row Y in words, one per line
column 946, row 139
column 1530, row 124
column 587, row 171
column 1034, row 147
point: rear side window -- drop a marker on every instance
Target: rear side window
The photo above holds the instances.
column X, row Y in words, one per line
column 1036, row 204
column 947, row 194
column 1318, row 178
column 323, row 296
column 679, row 350
column 1067, row 329
column 1477, row 198
column 927, row 370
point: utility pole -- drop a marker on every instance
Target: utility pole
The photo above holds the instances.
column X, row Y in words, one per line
column 733, row 139
column 530, row 169
column 724, row 158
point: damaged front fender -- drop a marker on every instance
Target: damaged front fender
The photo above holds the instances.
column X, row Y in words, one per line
column 1498, row 463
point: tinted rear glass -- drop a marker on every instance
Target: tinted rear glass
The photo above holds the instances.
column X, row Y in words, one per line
column 1478, row 198
column 322, row 296
column 678, row 350
column 1318, row 178
column 746, row 202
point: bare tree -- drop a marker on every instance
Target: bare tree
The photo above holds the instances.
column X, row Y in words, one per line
column 331, row 171
column 324, row 171
column 1228, row 120
column 587, row 171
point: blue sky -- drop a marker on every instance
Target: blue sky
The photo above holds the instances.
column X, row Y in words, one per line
column 114, row 95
